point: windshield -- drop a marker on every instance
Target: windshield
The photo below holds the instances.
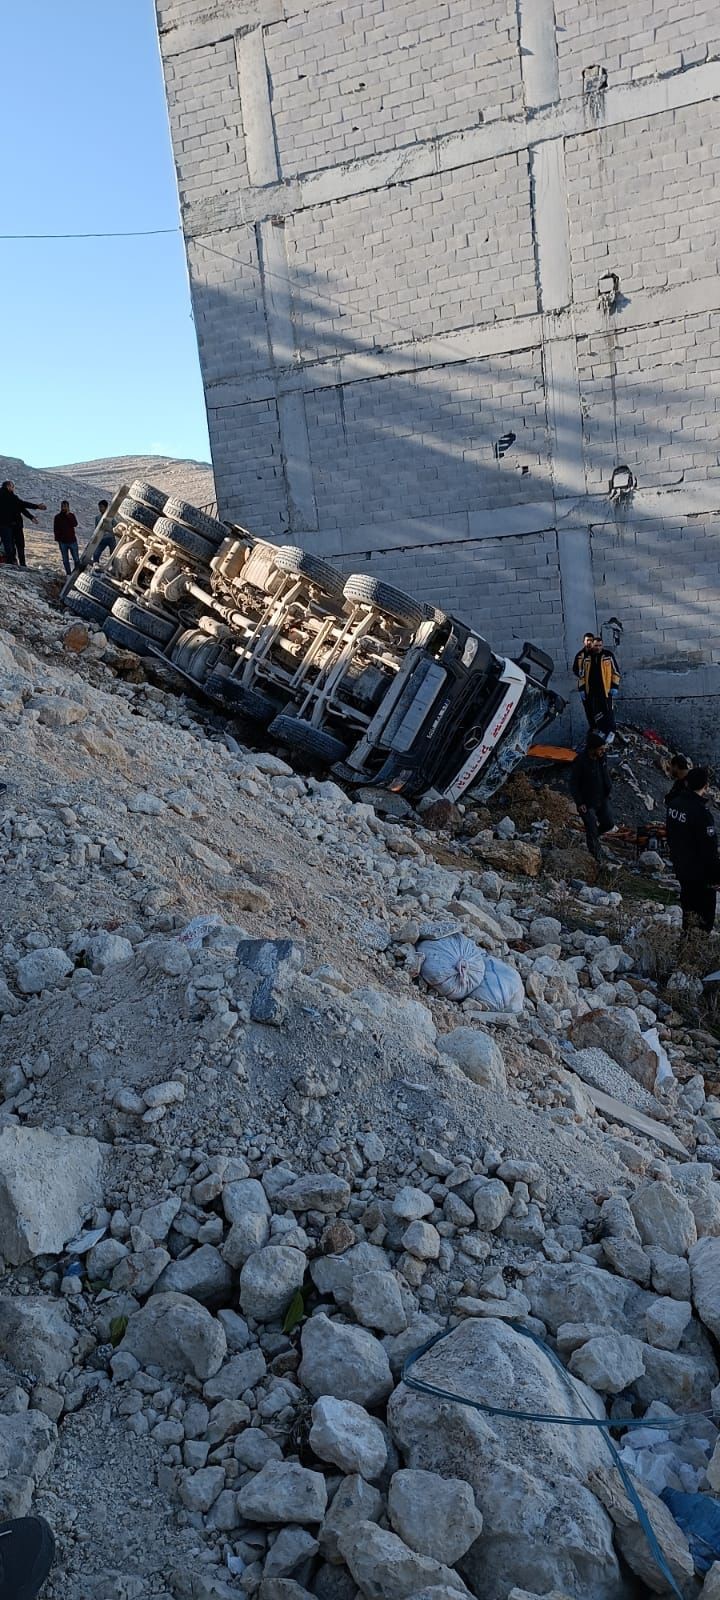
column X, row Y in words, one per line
column 536, row 708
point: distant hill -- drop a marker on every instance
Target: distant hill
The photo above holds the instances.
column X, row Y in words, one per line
column 86, row 482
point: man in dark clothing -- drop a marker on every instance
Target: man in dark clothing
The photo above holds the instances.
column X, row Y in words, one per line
column 590, row 786
column 12, row 511
column 693, row 845
column 108, row 540
column 599, row 681
column 679, row 767
column 65, row 530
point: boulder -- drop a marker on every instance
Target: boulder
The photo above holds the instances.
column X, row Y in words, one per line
column 335, row 1274
column 42, row 969
column 268, row 1281
column 241, row 1372
column 411, row 1205
column 283, row 1491
column 244, row 1195
column 711, row 1586
column 344, row 1361
column 632, row 1539
column 670, row 1273
column 384, row 1568
column 478, row 1056
column 27, row 1445
column 421, row 1240
column 49, row 1184
column 316, row 1191
column 618, row 1033
column 36, row 1336
column 177, row 1334
column 705, row 1275
column 355, row 1501
column 510, row 855
column 376, row 1300
column 542, row 1529
column 697, row 1181
column 433, row 1515
column 292, row 1546
column 663, row 1217
column 579, row 1292
column 250, row 1233
column 343, row 1433
column 491, row 1202
column 108, row 950
column 203, row 1275
column 608, row 1363
column 684, row 1380
column 666, row 1321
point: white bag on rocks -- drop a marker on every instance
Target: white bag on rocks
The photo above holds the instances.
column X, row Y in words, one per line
column 501, row 988
column 453, row 965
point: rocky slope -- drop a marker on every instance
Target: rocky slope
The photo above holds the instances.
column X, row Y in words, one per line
column 84, row 483
column 250, row 1162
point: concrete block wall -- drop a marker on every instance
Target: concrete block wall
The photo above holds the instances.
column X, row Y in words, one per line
column 398, row 214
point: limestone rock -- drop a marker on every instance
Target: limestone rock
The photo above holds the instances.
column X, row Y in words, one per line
column 283, row 1491
column 247, row 1234
column 36, row 1336
column 292, row 1546
column 511, row 855
column 316, row 1192
column 433, row 1515
column 27, row 1446
column 411, row 1205
column 203, row 1275
column 384, row 1568
column 177, row 1334
column 422, row 1240
column 49, row 1184
column 376, row 1300
column 478, row 1055
column 492, row 1202
column 705, row 1274
column 355, row 1501
column 663, row 1218
column 618, row 1033
column 344, row 1361
column 542, row 1529
column 608, row 1363
column 343, row 1433
column 711, row 1586
column 268, row 1281
column 42, row 969
column 608, row 1486
column 666, row 1321
column 108, row 950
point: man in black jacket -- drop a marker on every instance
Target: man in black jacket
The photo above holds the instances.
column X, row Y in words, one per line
column 693, row 846
column 679, row 767
column 12, row 511
column 590, row 786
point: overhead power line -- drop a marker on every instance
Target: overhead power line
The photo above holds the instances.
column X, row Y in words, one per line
column 122, row 233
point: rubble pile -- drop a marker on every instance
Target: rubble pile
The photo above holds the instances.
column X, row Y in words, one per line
column 252, row 1161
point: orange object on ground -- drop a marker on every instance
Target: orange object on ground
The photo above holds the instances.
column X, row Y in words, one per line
column 552, row 752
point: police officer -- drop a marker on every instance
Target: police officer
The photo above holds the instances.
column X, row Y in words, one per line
column 693, row 846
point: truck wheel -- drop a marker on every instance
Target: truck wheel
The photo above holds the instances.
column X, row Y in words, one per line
column 196, row 654
column 304, row 740
column 291, row 560
column 98, row 588
column 184, row 539
column 237, row 697
column 154, row 624
column 134, row 511
column 208, row 527
column 90, row 610
column 128, row 638
column 155, row 498
column 363, row 590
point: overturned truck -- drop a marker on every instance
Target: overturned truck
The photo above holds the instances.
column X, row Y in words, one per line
column 343, row 671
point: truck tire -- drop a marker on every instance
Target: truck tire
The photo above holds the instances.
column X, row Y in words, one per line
column 208, row 527
column 128, row 638
column 364, row 590
column 90, row 610
column 98, row 588
column 148, row 494
column 293, row 561
column 196, row 654
column 184, row 539
column 237, row 697
column 304, row 740
column 134, row 511
column 154, row 624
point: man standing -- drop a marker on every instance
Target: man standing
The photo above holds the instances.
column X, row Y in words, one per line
column 599, row 683
column 693, row 845
column 65, row 530
column 584, row 650
column 590, row 786
column 678, row 767
column 108, row 540
column 12, row 511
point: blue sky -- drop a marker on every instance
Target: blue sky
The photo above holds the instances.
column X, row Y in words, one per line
column 99, row 352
